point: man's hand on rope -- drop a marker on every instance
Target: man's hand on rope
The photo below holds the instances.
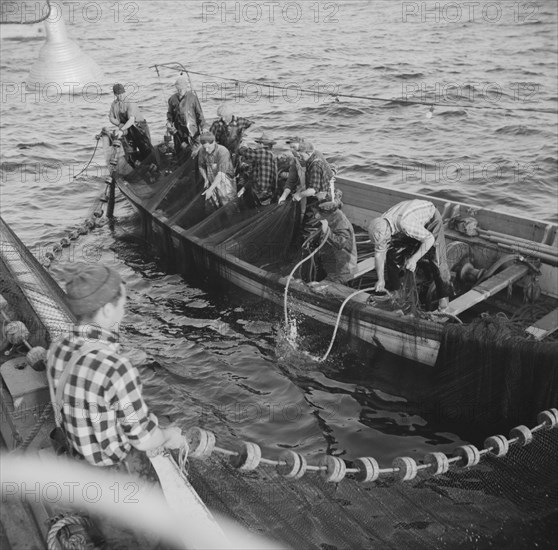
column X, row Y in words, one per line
column 175, row 439
column 325, row 226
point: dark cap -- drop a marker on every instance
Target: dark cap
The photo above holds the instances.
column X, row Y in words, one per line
column 118, row 89
column 207, row 137
column 91, row 286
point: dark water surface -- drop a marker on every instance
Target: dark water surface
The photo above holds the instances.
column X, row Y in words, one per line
column 217, row 359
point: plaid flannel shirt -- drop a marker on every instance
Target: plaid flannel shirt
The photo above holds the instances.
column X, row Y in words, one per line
column 230, row 135
column 103, row 409
column 264, row 174
column 409, row 218
column 318, row 173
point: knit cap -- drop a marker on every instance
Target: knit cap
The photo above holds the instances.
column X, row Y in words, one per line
column 207, row 137
column 91, row 286
column 182, row 81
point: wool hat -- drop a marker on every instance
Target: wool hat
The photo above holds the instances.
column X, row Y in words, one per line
column 264, row 140
column 224, row 110
column 118, row 89
column 182, row 81
column 91, row 286
column 207, row 137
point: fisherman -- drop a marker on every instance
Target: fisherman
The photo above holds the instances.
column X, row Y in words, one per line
column 338, row 257
column 104, row 415
column 229, row 129
column 262, row 183
column 185, row 118
column 309, row 174
column 132, row 124
column 420, row 220
column 217, row 171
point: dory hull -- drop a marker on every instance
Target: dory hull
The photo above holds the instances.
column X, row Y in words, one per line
column 417, row 340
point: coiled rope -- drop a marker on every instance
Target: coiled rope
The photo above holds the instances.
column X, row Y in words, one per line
column 76, row 541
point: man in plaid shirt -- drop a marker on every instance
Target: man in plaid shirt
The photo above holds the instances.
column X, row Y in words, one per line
column 421, row 221
column 228, row 130
column 263, row 180
column 103, row 414
column 317, row 173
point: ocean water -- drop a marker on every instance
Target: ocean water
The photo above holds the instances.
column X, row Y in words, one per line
column 217, row 359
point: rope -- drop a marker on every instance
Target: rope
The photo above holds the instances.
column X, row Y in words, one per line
column 30, row 22
column 339, row 319
column 179, row 67
column 91, row 159
column 76, row 541
column 285, row 296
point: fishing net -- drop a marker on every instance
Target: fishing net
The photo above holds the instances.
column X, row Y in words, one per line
column 34, row 299
column 260, row 235
column 508, row 502
column 485, row 372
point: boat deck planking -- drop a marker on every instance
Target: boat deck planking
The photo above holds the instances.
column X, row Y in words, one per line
column 487, row 288
column 545, row 326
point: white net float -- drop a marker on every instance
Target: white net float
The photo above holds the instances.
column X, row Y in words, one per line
column 294, row 466
column 16, row 332
column 406, row 468
column 548, row 418
column 523, row 434
column 438, row 463
column 498, row 444
column 248, row 457
column 201, row 442
column 469, row 455
column 368, row 469
column 335, row 468
column 36, row 358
